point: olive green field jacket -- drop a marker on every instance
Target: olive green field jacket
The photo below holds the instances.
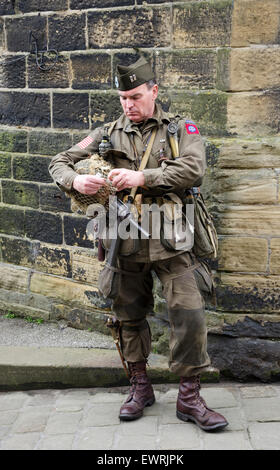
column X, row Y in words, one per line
column 129, row 141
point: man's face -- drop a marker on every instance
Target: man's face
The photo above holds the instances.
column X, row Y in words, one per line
column 138, row 104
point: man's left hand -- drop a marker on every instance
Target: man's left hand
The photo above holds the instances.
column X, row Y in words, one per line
column 122, row 178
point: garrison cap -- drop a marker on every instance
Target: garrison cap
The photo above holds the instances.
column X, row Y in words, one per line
column 134, row 75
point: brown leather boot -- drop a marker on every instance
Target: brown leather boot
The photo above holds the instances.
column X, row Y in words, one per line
column 192, row 407
column 141, row 393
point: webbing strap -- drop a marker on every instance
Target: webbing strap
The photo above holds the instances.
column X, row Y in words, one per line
column 144, row 160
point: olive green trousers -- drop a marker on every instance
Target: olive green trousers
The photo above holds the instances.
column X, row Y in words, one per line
column 183, row 286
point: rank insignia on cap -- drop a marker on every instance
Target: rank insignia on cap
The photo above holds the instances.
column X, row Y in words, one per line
column 85, row 142
column 191, row 127
column 134, row 75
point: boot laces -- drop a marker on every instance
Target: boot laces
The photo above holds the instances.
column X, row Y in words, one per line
column 137, row 375
column 133, row 383
column 198, row 399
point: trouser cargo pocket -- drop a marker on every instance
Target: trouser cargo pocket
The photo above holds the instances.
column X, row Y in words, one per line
column 205, row 283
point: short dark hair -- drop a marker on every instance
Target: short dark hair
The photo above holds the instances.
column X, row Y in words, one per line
column 151, row 83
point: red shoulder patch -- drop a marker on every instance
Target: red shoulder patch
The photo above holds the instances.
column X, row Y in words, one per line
column 191, row 128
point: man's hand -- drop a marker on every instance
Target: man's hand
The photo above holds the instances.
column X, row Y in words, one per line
column 88, row 184
column 122, row 178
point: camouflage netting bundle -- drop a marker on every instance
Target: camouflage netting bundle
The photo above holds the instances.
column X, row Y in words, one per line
column 95, row 165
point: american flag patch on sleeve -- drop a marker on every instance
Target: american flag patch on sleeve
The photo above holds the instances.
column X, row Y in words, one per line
column 85, row 142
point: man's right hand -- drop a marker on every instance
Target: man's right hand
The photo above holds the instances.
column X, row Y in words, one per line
column 88, row 184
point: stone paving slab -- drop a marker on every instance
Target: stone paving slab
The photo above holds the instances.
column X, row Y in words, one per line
column 87, row 419
column 265, row 436
column 262, row 409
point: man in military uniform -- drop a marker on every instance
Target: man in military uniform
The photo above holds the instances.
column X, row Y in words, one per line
column 178, row 271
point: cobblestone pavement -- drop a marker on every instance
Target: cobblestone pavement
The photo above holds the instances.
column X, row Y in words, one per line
column 87, row 419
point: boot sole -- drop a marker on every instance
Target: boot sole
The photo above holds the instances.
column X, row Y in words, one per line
column 214, row 427
column 133, row 417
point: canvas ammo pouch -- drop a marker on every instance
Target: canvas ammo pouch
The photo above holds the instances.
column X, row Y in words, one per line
column 175, row 232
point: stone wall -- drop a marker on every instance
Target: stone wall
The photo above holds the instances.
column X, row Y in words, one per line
column 218, row 63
